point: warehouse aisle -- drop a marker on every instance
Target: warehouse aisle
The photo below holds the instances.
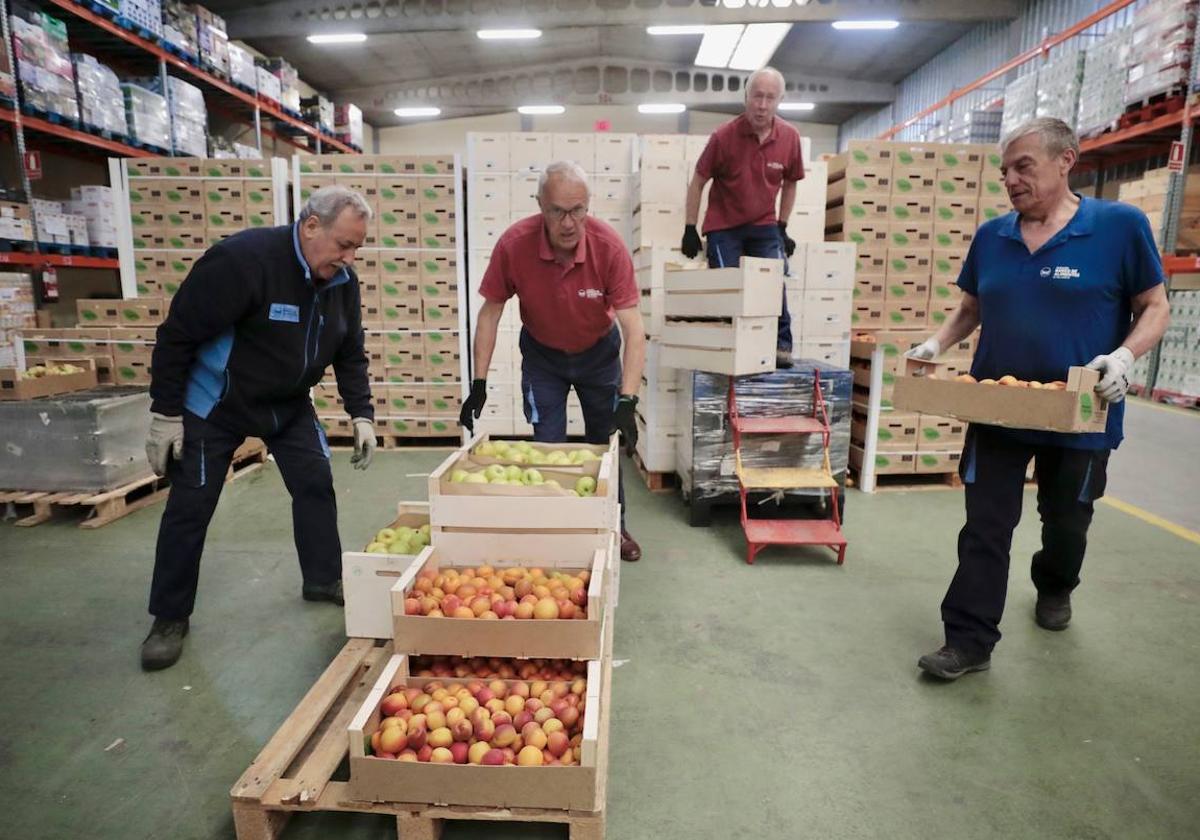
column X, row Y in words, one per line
column 1156, row 466
column 774, row 701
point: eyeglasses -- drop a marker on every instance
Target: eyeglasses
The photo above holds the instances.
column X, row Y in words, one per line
column 557, row 214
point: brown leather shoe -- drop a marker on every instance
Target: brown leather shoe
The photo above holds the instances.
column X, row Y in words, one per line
column 631, row 552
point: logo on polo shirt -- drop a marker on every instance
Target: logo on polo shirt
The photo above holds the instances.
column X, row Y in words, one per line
column 1063, row 272
column 591, row 294
column 774, row 164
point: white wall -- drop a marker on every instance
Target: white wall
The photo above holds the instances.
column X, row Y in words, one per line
column 450, row 136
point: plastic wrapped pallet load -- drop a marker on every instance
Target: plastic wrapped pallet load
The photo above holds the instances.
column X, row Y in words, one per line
column 1102, row 91
column 93, row 440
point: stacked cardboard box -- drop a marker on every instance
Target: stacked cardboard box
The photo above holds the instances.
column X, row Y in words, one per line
column 1179, row 353
column 1102, row 91
column 57, row 226
column 96, row 205
column 1149, row 193
column 409, row 277
column 17, row 315
column 43, row 63
column 15, row 221
column 1160, row 59
column 503, row 173
column 1058, row 85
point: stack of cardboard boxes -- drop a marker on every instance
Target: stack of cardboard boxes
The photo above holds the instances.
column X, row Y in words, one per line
column 913, row 210
column 503, row 172
column 409, row 278
column 1149, row 193
column 16, row 315
column 1179, row 359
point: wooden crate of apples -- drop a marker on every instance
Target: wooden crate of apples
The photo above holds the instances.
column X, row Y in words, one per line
column 62, row 376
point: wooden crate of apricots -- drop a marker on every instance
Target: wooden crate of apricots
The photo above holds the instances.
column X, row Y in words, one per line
column 1066, row 406
column 475, row 600
column 500, row 743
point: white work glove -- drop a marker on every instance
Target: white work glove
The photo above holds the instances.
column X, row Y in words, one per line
column 364, row 443
column 1114, row 373
column 164, row 441
column 926, row 351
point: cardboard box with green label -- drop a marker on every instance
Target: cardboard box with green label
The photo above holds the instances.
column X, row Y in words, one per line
column 405, row 401
column 950, row 209
column 909, row 263
column 953, row 234
column 890, row 463
column 868, row 288
column 913, row 182
column 910, row 234
column 1076, row 408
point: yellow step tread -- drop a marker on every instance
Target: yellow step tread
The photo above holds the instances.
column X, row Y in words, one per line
column 784, row 478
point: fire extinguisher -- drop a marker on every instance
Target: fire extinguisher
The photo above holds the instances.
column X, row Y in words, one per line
column 49, row 284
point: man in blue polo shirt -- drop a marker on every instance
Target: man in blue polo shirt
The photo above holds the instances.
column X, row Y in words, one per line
column 1062, row 281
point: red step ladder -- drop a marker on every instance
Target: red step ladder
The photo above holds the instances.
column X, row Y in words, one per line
column 763, row 532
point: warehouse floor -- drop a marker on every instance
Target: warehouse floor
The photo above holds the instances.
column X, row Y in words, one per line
column 774, row 701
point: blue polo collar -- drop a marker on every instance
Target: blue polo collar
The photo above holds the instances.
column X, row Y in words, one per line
column 343, row 276
column 1081, row 223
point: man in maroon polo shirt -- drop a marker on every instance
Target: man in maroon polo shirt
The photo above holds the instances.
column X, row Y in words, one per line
column 573, row 276
column 751, row 161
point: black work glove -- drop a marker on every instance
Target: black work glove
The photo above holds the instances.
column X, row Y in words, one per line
column 625, row 419
column 692, row 244
column 789, row 244
column 473, row 405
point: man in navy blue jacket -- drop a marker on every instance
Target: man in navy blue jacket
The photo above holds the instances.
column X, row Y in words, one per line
column 254, row 326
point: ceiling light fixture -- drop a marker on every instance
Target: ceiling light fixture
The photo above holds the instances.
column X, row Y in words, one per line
column 338, row 38
column 508, row 34
column 541, row 110
column 718, row 44
column 418, row 111
column 676, row 30
column 758, row 44
column 797, row 106
column 865, row 24
column 661, row 108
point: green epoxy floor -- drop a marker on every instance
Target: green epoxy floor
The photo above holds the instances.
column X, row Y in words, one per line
column 774, row 701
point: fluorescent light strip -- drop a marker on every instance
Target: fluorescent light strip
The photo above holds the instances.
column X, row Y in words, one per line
column 508, row 34
column 418, row 111
column 338, row 38
column 797, row 106
column 865, row 24
column 661, row 108
column 541, row 110
column 676, row 30
column 757, row 45
column 718, row 44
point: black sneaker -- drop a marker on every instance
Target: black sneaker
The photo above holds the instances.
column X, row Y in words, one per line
column 331, row 592
column 951, row 663
column 1053, row 612
column 162, row 647
column 783, row 359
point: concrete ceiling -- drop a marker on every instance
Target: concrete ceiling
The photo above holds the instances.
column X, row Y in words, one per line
column 592, row 51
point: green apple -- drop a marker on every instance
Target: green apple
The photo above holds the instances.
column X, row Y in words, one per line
column 573, row 456
column 494, row 471
column 586, row 455
column 499, row 481
column 532, row 477
column 377, row 548
column 550, row 482
column 537, row 457
column 418, row 541
column 512, row 472
column 386, row 535
column 557, row 456
column 586, row 486
column 425, row 529
column 404, row 532
column 518, row 457
column 458, row 476
column 487, row 449
column 572, row 492
column 399, row 546
column 476, row 478
column 523, row 446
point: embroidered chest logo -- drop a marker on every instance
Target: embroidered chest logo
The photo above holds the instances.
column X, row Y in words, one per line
column 774, row 164
column 1060, row 272
column 591, row 294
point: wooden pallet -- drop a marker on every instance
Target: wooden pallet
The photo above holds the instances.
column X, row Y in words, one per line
column 656, row 482
column 1151, row 108
column 911, row 481
column 111, row 505
column 294, row 772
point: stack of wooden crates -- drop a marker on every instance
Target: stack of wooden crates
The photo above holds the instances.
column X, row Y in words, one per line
column 502, row 526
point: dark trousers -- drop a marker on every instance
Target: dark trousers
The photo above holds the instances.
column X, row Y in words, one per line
column 548, row 375
column 726, row 248
column 302, row 453
column 993, row 469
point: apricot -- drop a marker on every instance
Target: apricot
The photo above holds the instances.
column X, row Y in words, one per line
column 477, row 751
column 407, row 755
column 514, row 704
column 440, row 737
column 530, row 756
column 557, row 743
column 412, row 606
column 1037, row 386
column 435, row 720
column 545, row 609
column 965, row 377
column 441, row 755
column 1008, row 379
column 493, row 758
column 435, row 613
column 393, row 703
column 505, row 736
column 523, row 611
column 488, row 615
column 425, row 753
column 987, row 382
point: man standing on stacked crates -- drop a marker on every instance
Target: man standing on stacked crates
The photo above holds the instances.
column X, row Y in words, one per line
column 573, row 276
column 1062, row 281
column 254, row 326
column 752, row 160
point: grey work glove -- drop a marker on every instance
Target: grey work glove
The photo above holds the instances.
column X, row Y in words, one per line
column 164, row 441
column 364, row 443
column 926, row 351
column 1114, row 373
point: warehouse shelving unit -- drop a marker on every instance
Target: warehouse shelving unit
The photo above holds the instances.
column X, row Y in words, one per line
column 1138, row 142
